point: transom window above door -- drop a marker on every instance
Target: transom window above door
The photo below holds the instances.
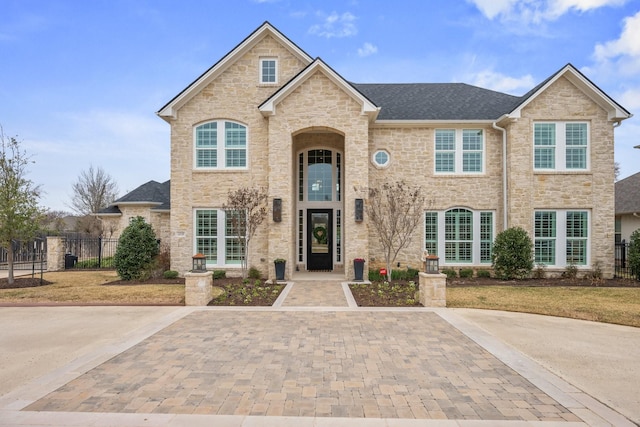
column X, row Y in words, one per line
column 220, row 145
column 319, row 176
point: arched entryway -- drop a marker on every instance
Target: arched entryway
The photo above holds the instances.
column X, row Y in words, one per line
column 319, row 200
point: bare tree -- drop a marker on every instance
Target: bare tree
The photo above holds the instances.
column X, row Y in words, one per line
column 395, row 210
column 616, row 170
column 246, row 209
column 19, row 211
column 94, row 190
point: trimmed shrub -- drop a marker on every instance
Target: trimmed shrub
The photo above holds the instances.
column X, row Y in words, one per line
column 634, row 254
column 219, row 274
column 451, row 274
column 512, row 255
column 170, row 274
column 466, row 273
column 137, row 249
column 254, row 273
column 484, row 274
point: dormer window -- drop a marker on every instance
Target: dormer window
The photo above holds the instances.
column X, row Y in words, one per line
column 268, row 70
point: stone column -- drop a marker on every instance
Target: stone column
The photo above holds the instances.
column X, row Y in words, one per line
column 55, row 253
column 433, row 289
column 198, row 289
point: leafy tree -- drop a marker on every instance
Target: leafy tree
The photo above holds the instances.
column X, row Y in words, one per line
column 137, row 249
column 512, row 254
column 246, row 209
column 634, row 253
column 94, row 190
column 19, row 211
column 395, row 210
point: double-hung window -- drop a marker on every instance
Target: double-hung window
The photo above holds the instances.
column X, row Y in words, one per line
column 561, row 146
column 459, row 236
column 220, row 145
column 217, row 237
column 459, row 151
column 561, row 237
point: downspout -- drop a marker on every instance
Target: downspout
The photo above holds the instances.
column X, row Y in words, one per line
column 505, row 197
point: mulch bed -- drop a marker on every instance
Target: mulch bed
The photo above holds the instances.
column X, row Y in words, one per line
column 161, row 281
column 23, row 282
column 604, row 283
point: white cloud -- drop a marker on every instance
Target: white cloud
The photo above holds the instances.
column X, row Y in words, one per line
column 630, row 99
column 489, row 79
column 627, row 45
column 367, row 49
column 335, row 25
column 537, row 11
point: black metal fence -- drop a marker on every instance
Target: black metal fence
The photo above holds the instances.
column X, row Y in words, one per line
column 89, row 252
column 623, row 269
column 31, row 255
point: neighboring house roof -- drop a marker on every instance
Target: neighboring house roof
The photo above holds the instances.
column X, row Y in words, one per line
column 151, row 193
column 628, row 195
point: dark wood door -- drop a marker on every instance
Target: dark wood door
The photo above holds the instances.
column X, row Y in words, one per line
column 320, row 239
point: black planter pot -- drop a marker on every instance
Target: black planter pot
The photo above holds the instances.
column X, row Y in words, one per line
column 358, row 269
column 280, row 267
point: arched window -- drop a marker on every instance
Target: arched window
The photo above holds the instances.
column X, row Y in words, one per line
column 220, row 145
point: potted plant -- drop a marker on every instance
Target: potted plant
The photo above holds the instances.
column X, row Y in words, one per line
column 280, row 264
column 358, row 268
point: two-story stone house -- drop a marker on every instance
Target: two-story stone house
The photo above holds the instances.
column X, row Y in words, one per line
column 269, row 115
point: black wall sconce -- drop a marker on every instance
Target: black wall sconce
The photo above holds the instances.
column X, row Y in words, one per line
column 359, row 210
column 277, row 210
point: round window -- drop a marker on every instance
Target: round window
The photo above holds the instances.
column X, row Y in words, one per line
column 381, row 158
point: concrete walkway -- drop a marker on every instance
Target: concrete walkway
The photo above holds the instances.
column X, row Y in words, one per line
column 305, row 365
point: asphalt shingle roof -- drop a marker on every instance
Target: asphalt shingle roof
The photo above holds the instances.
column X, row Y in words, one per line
column 152, row 192
column 437, row 101
column 628, row 195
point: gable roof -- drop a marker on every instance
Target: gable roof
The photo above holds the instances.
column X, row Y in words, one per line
column 168, row 111
column 615, row 111
column 268, row 107
column 151, row 193
column 628, row 195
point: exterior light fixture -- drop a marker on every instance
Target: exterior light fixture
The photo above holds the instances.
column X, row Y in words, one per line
column 432, row 264
column 199, row 263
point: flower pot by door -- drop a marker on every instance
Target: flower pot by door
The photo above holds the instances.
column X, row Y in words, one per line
column 358, row 268
column 280, row 267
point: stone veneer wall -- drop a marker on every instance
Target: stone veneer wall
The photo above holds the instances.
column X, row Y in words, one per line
column 113, row 226
column 592, row 190
column 333, row 109
column 234, row 95
column 412, row 161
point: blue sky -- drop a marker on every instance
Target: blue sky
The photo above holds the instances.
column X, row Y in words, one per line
column 81, row 80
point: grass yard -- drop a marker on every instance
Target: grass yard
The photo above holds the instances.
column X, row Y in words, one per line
column 89, row 287
column 600, row 304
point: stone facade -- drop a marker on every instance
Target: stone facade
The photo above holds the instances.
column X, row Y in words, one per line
column 310, row 107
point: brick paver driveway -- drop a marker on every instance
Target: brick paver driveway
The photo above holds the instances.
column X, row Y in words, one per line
column 340, row 363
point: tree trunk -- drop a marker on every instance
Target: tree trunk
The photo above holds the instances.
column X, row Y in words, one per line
column 10, row 278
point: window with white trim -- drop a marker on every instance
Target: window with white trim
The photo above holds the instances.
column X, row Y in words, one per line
column 268, row 71
column 381, row 158
column 561, row 237
column 220, row 145
column 215, row 238
column 464, row 236
column 459, row 151
column 561, row 146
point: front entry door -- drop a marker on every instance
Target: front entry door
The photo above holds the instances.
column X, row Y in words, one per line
column 319, row 239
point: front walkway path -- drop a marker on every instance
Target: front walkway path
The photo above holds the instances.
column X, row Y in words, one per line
column 308, row 366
